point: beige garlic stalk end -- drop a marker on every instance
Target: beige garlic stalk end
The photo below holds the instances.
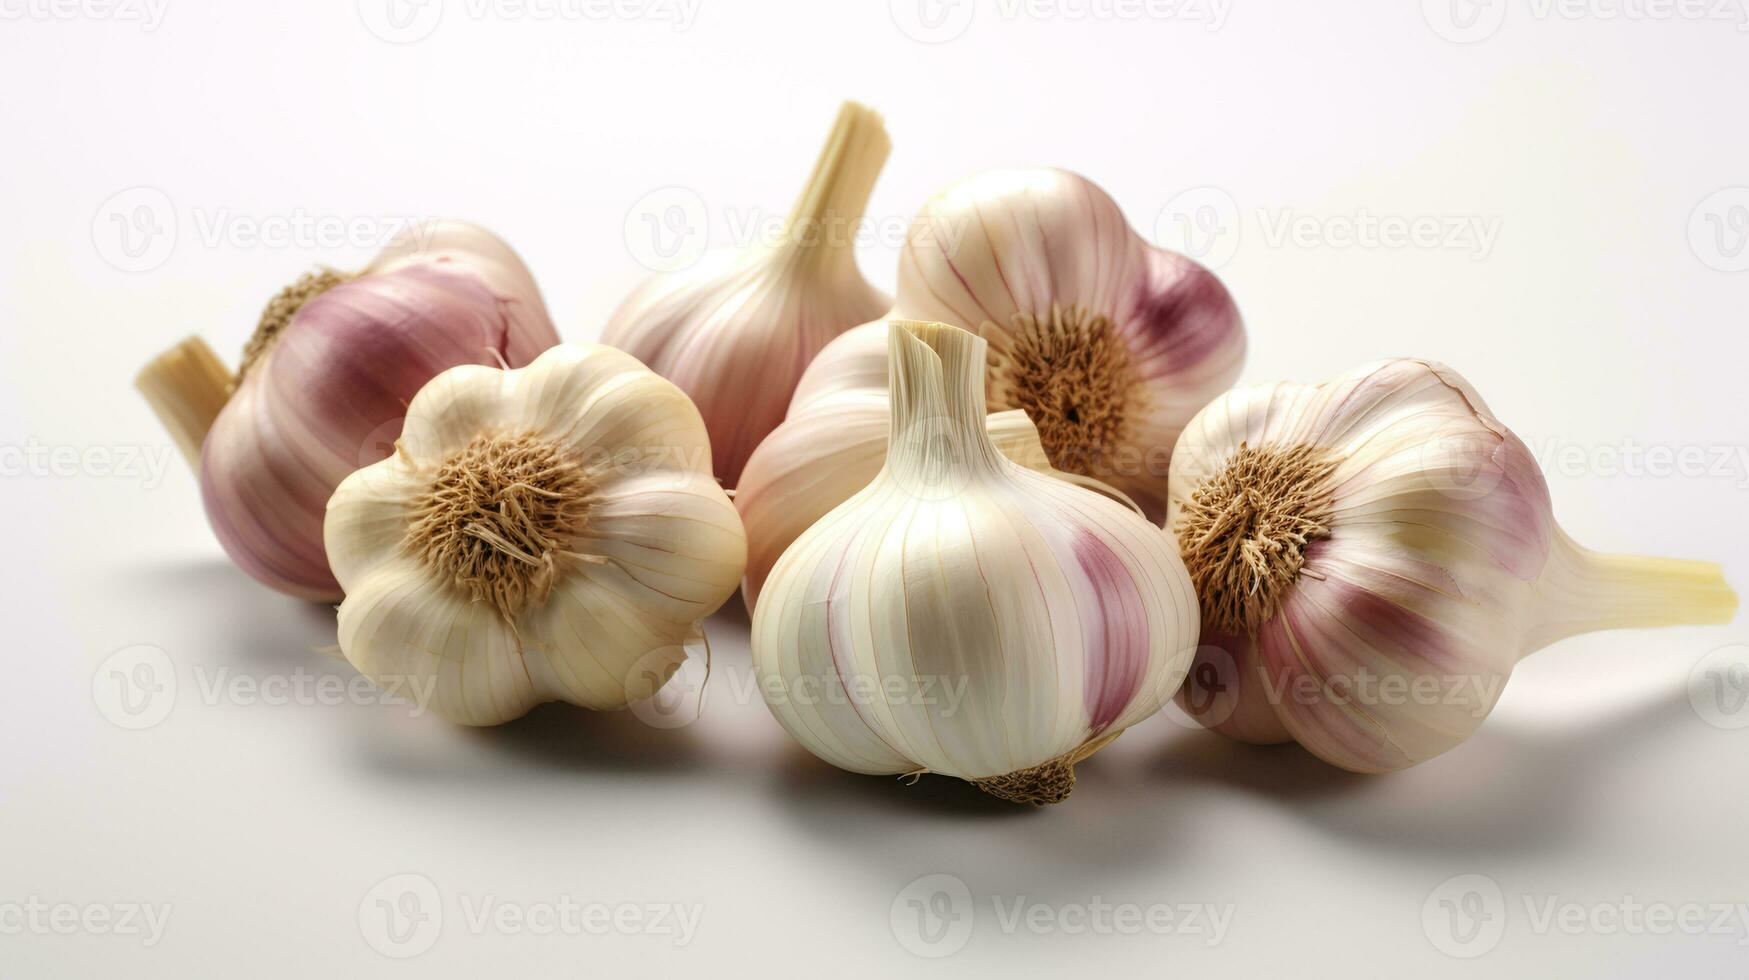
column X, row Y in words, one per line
column 187, row 386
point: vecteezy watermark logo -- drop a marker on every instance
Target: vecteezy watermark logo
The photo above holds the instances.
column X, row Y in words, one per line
column 401, row 916
column 149, row 14
column 1464, row 21
column 135, row 230
column 401, row 21
column 932, row 916
column 1460, row 459
column 1718, row 687
column 668, row 229
column 1210, row 693
column 1203, row 223
column 35, row 917
column 932, row 21
column 135, row 687
column 1718, row 230
column 1465, row 915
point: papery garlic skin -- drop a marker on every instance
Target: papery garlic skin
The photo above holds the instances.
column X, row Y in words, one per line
column 736, row 331
column 1374, row 555
column 600, row 617
column 1109, row 344
column 324, row 392
column 964, row 615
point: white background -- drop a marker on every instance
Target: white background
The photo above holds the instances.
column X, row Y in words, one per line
column 1601, row 317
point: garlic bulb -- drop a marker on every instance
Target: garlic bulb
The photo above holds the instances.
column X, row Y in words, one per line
column 964, row 615
column 1374, row 554
column 736, row 332
column 835, row 441
column 1109, row 344
column 548, row 533
column 324, row 384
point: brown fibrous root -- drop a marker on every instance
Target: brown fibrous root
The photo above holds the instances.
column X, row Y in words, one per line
column 1072, row 374
column 1046, row 783
column 1243, row 533
column 281, row 308
column 500, row 518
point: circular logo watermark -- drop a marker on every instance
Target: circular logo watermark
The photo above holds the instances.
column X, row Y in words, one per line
column 1458, row 459
column 1464, row 21
column 668, row 229
column 932, row 21
column 135, row 230
column 1464, row 916
column 135, row 687
column 401, row 916
column 1210, row 693
column 678, row 694
column 933, row 453
column 401, row 21
column 1203, row 223
column 1718, row 687
column 1718, row 230
column 932, row 916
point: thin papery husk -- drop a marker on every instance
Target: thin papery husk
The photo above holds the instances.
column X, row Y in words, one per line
column 661, row 548
column 1062, row 616
column 1441, row 568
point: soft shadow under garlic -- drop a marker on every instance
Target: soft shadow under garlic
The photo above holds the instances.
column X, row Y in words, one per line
column 1515, row 789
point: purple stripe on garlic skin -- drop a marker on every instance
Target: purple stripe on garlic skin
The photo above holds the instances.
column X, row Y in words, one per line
column 1116, row 636
column 1373, row 556
column 330, row 388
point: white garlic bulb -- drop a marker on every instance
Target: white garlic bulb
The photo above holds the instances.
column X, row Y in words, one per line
column 964, row 615
column 1109, row 344
column 1374, row 555
column 547, row 533
column 736, row 332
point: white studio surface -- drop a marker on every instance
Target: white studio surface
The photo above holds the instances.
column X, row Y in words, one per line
column 1551, row 197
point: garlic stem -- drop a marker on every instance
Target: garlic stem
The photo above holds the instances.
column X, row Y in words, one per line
column 822, row 226
column 1581, row 591
column 937, row 380
column 187, row 386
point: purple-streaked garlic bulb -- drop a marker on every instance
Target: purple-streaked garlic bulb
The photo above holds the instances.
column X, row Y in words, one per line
column 736, row 331
column 1109, row 344
column 963, row 614
column 1373, row 555
column 324, row 384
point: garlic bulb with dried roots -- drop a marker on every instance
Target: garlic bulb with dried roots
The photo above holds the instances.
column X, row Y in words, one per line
column 549, row 533
column 1374, row 554
column 324, row 384
column 736, row 332
column 1109, row 344
column 965, row 615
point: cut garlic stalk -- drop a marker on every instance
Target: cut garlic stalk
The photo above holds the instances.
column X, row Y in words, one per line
column 1375, row 554
column 546, row 534
column 963, row 614
column 736, row 332
column 324, row 383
